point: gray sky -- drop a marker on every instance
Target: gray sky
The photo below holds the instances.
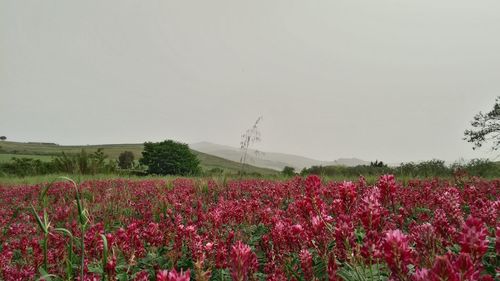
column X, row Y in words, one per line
column 389, row 80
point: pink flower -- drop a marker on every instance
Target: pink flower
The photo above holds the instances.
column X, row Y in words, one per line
column 313, row 183
column 317, row 223
column 397, row 252
column 142, row 276
column 449, row 267
column 162, row 275
column 348, row 192
column 209, row 246
column 420, row 275
column 443, row 270
column 331, row 268
column 297, row 229
column 370, row 209
column 243, row 261
column 173, row 275
column 306, row 263
column 473, row 239
column 387, row 185
column 465, row 267
column 111, row 266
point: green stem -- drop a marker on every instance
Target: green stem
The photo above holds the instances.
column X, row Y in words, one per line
column 82, row 247
column 45, row 246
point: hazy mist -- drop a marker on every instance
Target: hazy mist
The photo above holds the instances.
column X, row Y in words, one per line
column 388, row 80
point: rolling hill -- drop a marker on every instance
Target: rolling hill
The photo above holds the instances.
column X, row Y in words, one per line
column 271, row 160
column 45, row 152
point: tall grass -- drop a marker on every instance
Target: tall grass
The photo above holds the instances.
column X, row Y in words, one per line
column 45, row 227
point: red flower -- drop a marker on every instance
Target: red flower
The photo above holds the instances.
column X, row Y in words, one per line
column 387, row 185
column 173, row 275
column 162, row 275
column 397, row 252
column 348, row 194
column 443, row 270
column 473, row 239
column 243, row 261
column 313, row 183
column 465, row 267
column 306, row 263
column 421, row 275
column 370, row 210
column 111, row 266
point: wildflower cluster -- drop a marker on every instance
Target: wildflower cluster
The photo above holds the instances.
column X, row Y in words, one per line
column 300, row 229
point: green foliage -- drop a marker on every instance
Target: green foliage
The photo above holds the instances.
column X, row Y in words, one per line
column 80, row 163
column 288, row 171
column 27, row 166
column 345, row 171
column 378, row 164
column 47, row 151
column 104, row 256
column 431, row 168
column 220, row 274
column 363, row 273
column 126, row 160
column 169, row 158
column 491, row 260
column 482, row 168
column 84, row 163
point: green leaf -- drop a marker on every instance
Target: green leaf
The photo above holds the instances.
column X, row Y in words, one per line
column 362, row 273
column 44, row 275
column 65, row 231
column 39, row 220
column 104, row 256
column 320, row 268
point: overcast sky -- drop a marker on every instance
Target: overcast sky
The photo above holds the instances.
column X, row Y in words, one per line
column 389, row 80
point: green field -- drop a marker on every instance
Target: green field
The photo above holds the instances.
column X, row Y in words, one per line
column 6, row 157
column 45, row 152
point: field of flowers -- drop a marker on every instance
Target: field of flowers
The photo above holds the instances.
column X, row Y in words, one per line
column 299, row 229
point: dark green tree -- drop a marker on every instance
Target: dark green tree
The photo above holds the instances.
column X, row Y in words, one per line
column 486, row 128
column 169, row 158
column 377, row 163
column 288, row 171
column 3, row 138
column 126, row 160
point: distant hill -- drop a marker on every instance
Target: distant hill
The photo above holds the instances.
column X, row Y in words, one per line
column 44, row 151
column 271, row 160
column 211, row 155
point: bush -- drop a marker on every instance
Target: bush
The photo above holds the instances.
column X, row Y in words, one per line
column 169, row 158
column 126, row 160
column 288, row 171
column 84, row 163
column 482, row 168
column 27, row 167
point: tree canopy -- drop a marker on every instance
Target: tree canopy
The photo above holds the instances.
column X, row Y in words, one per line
column 486, row 128
column 288, row 171
column 126, row 160
column 169, row 158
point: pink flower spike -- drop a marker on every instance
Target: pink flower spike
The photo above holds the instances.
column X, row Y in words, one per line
column 243, row 261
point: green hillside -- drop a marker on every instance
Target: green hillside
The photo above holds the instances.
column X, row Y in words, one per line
column 45, row 152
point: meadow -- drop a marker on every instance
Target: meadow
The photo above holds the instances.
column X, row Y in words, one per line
column 45, row 152
column 302, row 228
